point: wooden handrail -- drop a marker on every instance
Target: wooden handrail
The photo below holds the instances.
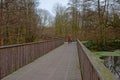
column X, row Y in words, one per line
column 91, row 68
column 30, row 43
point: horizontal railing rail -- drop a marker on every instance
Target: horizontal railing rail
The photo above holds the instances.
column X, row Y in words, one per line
column 14, row 57
column 91, row 68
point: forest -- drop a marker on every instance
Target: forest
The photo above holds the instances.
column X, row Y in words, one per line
column 94, row 21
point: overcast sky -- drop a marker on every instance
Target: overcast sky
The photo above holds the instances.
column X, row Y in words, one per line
column 49, row 4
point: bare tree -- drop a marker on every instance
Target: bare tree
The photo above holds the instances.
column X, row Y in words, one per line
column 75, row 13
column 19, row 22
column 61, row 20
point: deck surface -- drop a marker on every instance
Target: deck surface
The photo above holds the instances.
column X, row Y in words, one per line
column 59, row 64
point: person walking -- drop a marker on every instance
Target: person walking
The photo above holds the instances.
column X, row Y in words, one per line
column 69, row 39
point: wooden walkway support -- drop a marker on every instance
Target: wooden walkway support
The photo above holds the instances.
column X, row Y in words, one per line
column 16, row 56
column 59, row 64
column 67, row 62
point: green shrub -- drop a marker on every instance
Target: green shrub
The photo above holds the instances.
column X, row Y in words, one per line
column 114, row 43
column 110, row 45
column 91, row 44
column 102, row 47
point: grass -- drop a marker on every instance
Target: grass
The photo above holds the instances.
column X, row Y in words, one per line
column 106, row 53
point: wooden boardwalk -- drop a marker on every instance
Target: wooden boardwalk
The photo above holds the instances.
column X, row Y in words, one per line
column 59, row 64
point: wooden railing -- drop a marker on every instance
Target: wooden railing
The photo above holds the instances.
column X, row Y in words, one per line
column 91, row 68
column 16, row 56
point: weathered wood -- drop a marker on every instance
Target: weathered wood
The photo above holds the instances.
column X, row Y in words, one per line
column 91, row 69
column 14, row 57
column 61, row 63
